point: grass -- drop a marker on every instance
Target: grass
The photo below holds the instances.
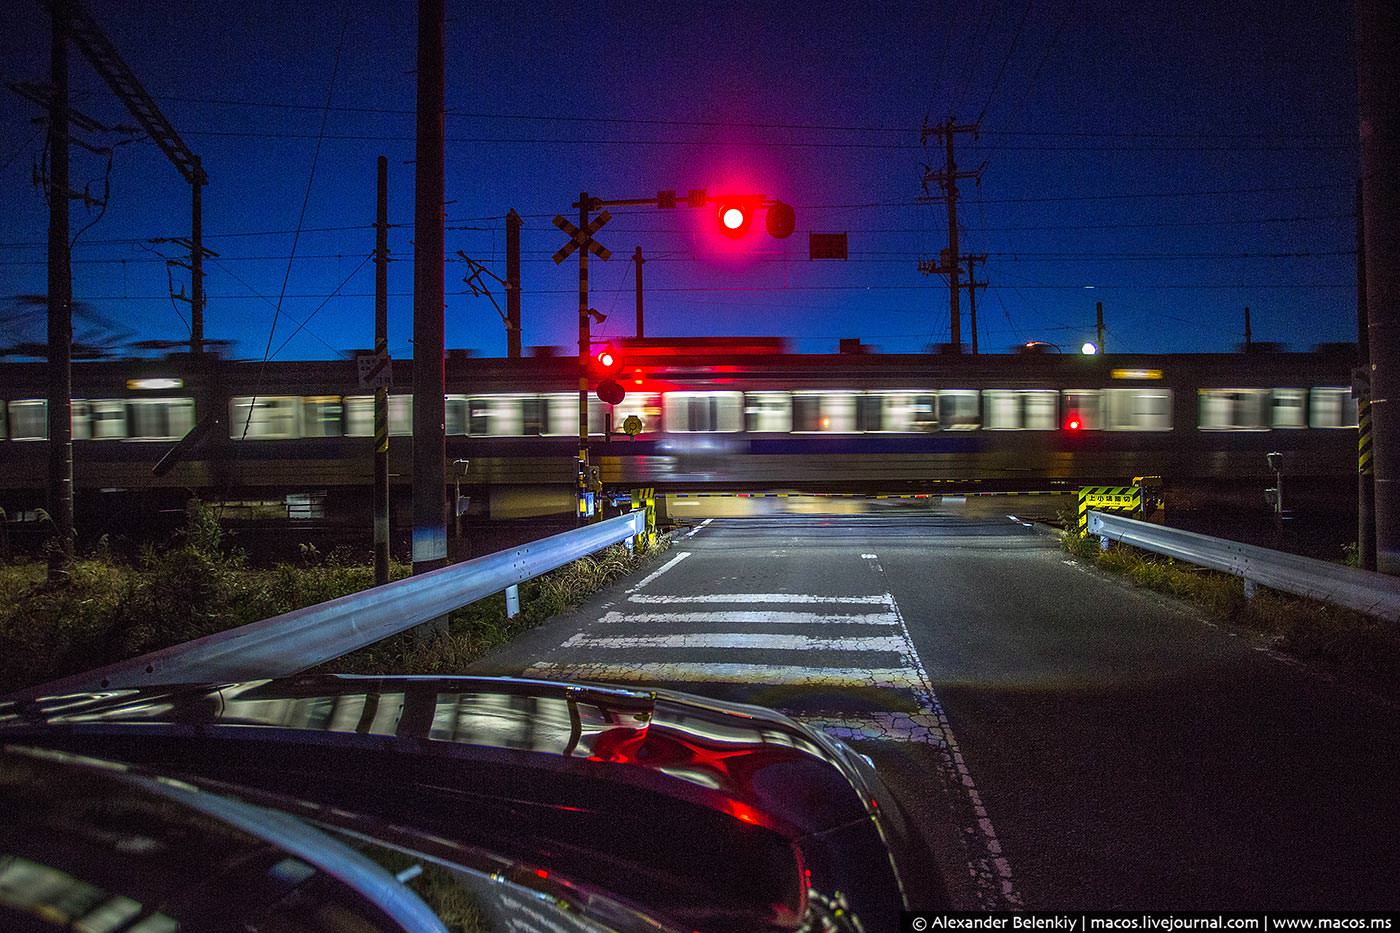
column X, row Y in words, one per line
column 1299, row 627
column 112, row 609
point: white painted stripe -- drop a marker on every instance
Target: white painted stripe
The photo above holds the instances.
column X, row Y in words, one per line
column 868, row 556
column 660, row 570
column 790, row 675
column 749, row 617
column 794, row 598
column 894, row 643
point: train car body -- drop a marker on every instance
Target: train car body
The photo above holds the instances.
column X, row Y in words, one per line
column 295, row 438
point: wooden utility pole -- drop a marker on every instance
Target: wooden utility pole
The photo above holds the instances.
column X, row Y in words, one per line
column 950, row 262
column 1365, row 437
column 60, row 412
column 1378, row 107
column 381, row 393
column 1248, row 334
column 513, row 224
column 972, row 286
column 197, row 184
column 584, row 346
column 429, row 376
column 641, row 325
column 1098, row 323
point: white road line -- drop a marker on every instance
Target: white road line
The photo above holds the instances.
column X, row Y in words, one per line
column 868, row 556
column 749, row 617
column 769, row 674
column 793, row 598
column 740, row 640
column 696, row 530
column 660, row 570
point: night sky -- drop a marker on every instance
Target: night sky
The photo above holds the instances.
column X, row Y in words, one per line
column 1175, row 161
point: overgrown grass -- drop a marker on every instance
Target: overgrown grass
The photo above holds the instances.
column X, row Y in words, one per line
column 112, row 609
column 1300, row 627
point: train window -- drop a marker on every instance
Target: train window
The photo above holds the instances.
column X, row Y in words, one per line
column 455, row 413
column 903, row 411
column 81, row 421
column 1141, row 408
column 957, row 409
column 4, row 420
column 831, row 412
column 534, row 417
column 562, row 415
column 262, row 418
column 923, row 415
column 1289, row 409
column 401, row 415
column 29, row 420
column 704, row 412
column 322, row 416
column 107, row 418
column 359, row 416
column 806, row 413
column 1234, row 409
column 1020, row 409
column 768, row 412
column 161, row 419
column 1082, row 410
column 1333, row 407
column 870, row 412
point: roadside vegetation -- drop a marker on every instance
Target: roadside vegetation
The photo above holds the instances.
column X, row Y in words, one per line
column 1303, row 628
column 114, row 608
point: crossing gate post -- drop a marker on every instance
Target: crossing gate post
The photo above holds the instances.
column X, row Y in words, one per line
column 645, row 498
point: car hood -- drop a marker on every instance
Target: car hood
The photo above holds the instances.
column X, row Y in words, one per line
column 709, row 813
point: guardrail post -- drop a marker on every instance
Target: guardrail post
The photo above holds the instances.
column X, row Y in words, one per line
column 512, row 601
column 644, row 498
column 1250, row 588
column 1103, row 542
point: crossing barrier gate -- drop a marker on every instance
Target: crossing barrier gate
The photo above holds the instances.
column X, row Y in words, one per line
column 1142, row 500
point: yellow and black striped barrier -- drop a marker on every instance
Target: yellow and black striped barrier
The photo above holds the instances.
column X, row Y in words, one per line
column 856, row 495
column 1140, row 500
column 645, row 498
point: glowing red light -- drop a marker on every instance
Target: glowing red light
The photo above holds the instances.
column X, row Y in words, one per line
column 733, row 218
column 605, row 358
column 541, row 872
column 1073, row 423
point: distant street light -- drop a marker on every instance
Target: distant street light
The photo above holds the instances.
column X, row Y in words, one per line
column 1089, row 348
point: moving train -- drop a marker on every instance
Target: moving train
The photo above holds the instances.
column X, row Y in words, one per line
column 295, row 438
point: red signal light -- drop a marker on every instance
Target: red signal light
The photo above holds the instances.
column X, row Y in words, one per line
column 606, row 359
column 734, row 218
column 1073, row 423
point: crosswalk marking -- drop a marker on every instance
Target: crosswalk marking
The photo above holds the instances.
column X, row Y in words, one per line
column 893, row 643
column 749, row 617
column 883, row 599
column 767, row 674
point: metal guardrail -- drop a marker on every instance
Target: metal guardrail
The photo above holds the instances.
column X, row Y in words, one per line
column 304, row 638
column 1361, row 590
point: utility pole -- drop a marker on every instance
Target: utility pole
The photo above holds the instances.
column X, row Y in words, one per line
column 641, row 325
column 950, row 262
column 972, row 286
column 429, row 376
column 513, row 223
column 1378, row 109
column 381, row 393
column 197, row 184
column 1365, row 465
column 1098, row 323
column 60, row 412
column 1248, row 335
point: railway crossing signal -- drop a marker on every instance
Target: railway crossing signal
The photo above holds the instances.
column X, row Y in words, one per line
column 582, row 237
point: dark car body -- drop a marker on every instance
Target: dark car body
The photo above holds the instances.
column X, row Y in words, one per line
column 641, row 810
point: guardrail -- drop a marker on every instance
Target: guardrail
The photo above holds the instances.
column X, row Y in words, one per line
column 1361, row 590
column 303, row 638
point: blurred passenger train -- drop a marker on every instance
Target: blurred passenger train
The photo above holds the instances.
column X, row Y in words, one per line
column 714, row 414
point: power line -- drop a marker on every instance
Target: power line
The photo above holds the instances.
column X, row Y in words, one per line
column 1001, row 72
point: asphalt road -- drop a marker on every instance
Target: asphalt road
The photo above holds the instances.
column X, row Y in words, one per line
column 1064, row 740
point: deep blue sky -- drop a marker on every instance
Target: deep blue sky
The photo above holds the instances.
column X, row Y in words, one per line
column 1107, row 123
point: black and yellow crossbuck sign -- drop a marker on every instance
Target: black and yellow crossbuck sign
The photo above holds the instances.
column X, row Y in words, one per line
column 582, row 237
